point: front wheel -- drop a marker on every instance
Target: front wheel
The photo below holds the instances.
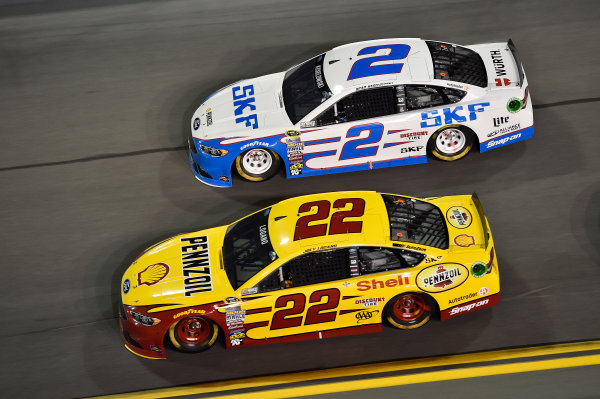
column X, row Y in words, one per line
column 257, row 164
column 450, row 143
column 193, row 334
column 408, row 311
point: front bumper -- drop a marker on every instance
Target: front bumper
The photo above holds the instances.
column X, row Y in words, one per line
column 214, row 171
column 142, row 340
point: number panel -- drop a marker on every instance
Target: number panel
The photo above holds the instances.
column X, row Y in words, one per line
column 316, row 313
column 338, row 225
column 303, row 230
column 364, row 67
column 350, row 151
column 285, row 318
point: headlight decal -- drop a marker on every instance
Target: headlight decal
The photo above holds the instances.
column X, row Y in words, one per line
column 143, row 319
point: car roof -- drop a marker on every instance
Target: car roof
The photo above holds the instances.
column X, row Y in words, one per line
column 284, row 220
column 417, row 66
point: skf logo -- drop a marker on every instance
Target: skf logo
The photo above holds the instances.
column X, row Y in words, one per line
column 242, row 99
column 153, row 274
column 365, row 315
column 452, row 115
column 374, row 284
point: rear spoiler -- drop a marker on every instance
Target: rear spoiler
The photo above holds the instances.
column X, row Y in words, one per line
column 513, row 50
column 486, row 232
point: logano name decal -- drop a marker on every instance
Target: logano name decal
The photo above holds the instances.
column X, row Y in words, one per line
column 452, row 115
column 196, row 265
column 243, row 97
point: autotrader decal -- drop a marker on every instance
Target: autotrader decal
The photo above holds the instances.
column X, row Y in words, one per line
column 196, row 265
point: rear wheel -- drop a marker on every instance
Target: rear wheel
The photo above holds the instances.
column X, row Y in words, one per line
column 450, row 143
column 193, row 334
column 408, row 311
column 257, row 164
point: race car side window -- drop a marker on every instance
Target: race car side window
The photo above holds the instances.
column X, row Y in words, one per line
column 363, row 104
column 418, row 97
column 311, row 268
column 380, row 259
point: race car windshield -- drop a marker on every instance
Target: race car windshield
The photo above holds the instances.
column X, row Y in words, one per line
column 304, row 88
column 247, row 248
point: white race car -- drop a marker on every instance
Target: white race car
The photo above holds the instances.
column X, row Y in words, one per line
column 361, row 106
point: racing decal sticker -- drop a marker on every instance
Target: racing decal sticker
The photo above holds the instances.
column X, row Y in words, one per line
column 365, row 285
column 499, row 67
column 464, row 240
column 459, row 217
column 196, row 123
column 469, row 307
column 234, row 317
column 504, row 130
column 209, row 120
column 507, row 138
column 479, row 269
column 501, row 120
column 368, row 302
column 514, row 105
column 236, row 338
column 250, row 291
column 452, row 115
column 153, row 274
column 189, row 312
column 410, row 135
column 196, row 265
column 295, row 151
column 243, row 97
column 365, row 315
column 438, row 278
column 364, row 67
column 126, row 286
column 463, row 298
column 483, row 291
column 155, row 348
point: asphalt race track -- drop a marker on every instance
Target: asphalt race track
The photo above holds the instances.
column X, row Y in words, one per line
column 95, row 104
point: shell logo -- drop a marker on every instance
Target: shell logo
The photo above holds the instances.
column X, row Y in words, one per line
column 153, row 274
column 438, row 278
column 464, row 240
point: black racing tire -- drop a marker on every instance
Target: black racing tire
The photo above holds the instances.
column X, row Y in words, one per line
column 408, row 311
column 257, row 164
column 193, row 334
column 450, row 143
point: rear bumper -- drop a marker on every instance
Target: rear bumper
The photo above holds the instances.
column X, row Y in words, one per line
column 506, row 139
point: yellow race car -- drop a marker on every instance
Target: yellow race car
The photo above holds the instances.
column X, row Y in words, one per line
column 312, row 267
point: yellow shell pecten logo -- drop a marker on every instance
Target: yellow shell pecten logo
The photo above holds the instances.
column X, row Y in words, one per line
column 464, row 240
column 153, row 274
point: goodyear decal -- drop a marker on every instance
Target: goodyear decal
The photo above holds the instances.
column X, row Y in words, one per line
column 196, row 265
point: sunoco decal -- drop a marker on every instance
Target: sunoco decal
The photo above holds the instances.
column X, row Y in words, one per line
column 196, row 265
column 443, row 277
column 459, row 217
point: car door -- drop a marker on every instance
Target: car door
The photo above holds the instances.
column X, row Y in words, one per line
column 300, row 297
column 351, row 132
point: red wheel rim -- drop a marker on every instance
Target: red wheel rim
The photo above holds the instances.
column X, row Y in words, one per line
column 409, row 307
column 193, row 330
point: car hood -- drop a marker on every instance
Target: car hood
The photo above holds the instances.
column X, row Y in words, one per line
column 242, row 109
column 182, row 270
